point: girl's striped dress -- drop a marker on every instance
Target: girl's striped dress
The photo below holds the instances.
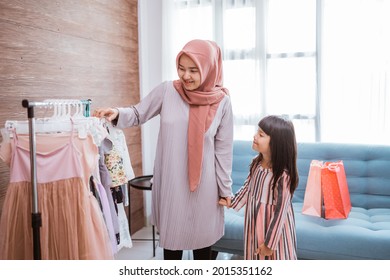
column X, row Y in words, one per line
column 269, row 216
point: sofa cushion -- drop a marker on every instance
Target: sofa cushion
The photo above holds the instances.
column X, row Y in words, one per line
column 233, row 240
column 242, row 158
column 364, row 235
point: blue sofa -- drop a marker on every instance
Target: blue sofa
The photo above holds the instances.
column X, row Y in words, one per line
column 365, row 234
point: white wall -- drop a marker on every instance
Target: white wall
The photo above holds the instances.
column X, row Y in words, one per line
column 150, row 61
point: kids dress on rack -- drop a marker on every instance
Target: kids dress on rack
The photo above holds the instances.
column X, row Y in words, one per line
column 72, row 222
column 118, row 139
column 104, row 201
column 115, row 169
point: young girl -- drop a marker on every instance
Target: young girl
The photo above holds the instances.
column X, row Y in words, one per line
column 267, row 193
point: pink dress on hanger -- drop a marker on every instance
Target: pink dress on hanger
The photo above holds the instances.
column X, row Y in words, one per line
column 72, row 222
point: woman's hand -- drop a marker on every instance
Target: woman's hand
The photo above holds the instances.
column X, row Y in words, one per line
column 264, row 251
column 225, row 201
column 108, row 113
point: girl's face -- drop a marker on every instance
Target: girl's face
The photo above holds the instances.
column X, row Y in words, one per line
column 261, row 143
column 188, row 73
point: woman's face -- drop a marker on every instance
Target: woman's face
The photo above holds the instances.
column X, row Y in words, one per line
column 188, row 73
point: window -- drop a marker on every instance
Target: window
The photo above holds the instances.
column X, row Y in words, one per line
column 355, row 94
column 314, row 61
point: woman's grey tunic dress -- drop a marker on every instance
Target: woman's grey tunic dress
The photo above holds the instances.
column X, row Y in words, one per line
column 185, row 220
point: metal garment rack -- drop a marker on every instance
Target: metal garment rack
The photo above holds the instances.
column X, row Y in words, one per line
column 36, row 215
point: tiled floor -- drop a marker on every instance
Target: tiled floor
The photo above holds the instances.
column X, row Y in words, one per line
column 143, row 249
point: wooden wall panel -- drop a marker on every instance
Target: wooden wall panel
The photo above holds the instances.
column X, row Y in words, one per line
column 70, row 49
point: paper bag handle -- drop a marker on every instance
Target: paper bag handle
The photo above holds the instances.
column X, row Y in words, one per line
column 333, row 167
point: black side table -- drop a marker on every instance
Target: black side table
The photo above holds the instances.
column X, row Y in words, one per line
column 142, row 183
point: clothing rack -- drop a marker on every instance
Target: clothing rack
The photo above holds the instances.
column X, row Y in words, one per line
column 36, row 215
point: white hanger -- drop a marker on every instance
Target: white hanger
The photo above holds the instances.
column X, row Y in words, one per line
column 63, row 119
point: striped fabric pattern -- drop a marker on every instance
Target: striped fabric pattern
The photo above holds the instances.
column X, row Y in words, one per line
column 269, row 216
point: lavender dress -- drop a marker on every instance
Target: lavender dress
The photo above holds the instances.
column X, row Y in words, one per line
column 185, row 220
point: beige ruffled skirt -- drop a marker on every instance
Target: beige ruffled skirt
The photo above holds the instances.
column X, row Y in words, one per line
column 72, row 228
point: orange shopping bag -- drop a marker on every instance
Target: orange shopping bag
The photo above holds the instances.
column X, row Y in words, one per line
column 335, row 190
column 312, row 203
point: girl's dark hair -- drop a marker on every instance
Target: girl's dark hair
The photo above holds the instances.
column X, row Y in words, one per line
column 283, row 147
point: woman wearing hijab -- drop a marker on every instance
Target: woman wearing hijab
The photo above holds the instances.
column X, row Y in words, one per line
column 193, row 160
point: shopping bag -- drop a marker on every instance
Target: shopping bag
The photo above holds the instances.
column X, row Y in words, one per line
column 335, row 191
column 312, row 203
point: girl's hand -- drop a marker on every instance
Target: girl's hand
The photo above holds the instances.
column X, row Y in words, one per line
column 108, row 113
column 264, row 251
column 225, row 201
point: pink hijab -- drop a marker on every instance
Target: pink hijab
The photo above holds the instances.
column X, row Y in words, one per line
column 203, row 101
